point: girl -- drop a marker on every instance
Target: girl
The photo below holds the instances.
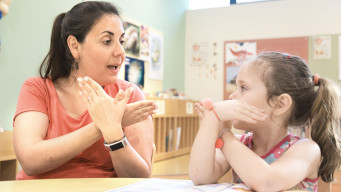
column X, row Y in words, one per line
column 274, row 91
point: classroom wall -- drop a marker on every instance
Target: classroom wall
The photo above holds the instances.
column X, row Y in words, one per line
column 25, row 35
column 275, row 19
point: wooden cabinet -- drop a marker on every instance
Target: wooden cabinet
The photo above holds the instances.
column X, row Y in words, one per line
column 8, row 160
column 175, row 127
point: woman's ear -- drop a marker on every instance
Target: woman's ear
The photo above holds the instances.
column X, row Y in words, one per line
column 73, row 46
column 283, row 104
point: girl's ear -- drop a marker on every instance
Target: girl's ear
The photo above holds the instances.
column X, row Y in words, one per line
column 283, row 104
column 73, row 46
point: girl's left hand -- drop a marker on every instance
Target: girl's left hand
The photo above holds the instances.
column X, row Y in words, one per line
column 200, row 109
column 105, row 111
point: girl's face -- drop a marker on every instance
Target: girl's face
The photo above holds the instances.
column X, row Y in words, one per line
column 251, row 90
column 102, row 53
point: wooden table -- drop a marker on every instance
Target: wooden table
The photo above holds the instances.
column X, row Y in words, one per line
column 66, row 185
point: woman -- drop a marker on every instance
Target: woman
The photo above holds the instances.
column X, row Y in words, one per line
column 59, row 133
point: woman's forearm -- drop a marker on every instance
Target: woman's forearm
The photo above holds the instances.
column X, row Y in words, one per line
column 47, row 155
column 128, row 163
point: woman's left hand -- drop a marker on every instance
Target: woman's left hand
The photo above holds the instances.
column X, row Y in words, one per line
column 105, row 111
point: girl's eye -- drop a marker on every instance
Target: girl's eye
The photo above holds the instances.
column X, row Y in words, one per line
column 243, row 88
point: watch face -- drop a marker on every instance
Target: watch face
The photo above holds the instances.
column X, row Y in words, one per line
column 116, row 146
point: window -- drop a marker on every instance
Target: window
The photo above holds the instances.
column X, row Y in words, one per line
column 204, row 4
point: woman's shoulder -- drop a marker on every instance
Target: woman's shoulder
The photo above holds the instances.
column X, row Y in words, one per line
column 37, row 80
column 123, row 84
column 37, row 83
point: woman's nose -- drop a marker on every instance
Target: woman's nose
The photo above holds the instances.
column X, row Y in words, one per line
column 118, row 50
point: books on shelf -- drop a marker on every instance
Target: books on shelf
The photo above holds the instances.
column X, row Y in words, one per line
column 178, row 135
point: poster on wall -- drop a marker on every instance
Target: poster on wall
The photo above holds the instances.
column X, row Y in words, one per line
column 239, row 52
column 132, row 35
column 199, row 53
column 322, row 47
column 156, row 56
column 145, row 43
column 205, row 59
column 134, row 71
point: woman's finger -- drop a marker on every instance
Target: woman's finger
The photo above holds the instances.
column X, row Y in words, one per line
column 128, row 93
column 87, row 88
column 86, row 96
column 120, row 95
column 95, row 86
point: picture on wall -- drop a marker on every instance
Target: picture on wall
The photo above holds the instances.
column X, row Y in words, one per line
column 132, row 35
column 322, row 47
column 156, row 57
column 134, row 71
column 236, row 52
column 239, row 52
column 199, row 53
column 145, row 43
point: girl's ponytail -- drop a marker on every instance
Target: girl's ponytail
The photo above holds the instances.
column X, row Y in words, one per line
column 325, row 127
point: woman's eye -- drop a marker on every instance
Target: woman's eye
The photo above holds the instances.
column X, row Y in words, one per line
column 122, row 41
column 107, row 42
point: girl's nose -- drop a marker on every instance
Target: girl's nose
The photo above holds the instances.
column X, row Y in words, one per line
column 232, row 96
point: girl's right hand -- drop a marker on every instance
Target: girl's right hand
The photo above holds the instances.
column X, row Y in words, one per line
column 228, row 110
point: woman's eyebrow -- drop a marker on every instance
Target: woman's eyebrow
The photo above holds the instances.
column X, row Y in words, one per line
column 109, row 32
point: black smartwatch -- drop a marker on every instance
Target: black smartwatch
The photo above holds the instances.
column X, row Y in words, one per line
column 116, row 145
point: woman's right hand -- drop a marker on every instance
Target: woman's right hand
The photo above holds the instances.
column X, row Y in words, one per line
column 138, row 111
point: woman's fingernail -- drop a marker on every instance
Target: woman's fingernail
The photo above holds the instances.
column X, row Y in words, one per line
column 79, row 79
column 86, row 78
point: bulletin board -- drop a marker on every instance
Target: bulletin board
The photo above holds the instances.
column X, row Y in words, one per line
column 292, row 46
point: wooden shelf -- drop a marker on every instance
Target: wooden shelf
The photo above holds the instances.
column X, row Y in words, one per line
column 8, row 160
column 175, row 127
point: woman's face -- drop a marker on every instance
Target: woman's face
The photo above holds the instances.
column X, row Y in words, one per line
column 102, row 53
